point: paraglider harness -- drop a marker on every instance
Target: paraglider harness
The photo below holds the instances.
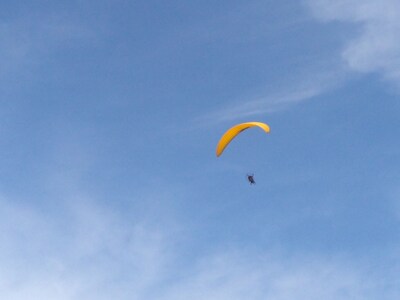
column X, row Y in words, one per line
column 250, row 178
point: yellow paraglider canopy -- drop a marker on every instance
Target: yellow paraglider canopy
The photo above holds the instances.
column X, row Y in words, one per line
column 232, row 132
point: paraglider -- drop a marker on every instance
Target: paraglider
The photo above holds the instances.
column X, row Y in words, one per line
column 232, row 132
column 250, row 178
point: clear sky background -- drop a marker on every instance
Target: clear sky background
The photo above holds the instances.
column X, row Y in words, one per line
column 110, row 115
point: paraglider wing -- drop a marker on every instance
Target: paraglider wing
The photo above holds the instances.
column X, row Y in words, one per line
column 231, row 133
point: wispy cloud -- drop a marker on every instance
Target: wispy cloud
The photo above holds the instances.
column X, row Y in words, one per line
column 377, row 47
column 240, row 276
column 259, row 106
column 296, row 91
column 87, row 251
column 27, row 41
column 82, row 250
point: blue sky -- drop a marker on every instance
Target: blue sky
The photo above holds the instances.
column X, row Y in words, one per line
column 111, row 112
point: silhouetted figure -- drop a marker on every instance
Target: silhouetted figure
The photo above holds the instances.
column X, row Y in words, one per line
column 250, row 178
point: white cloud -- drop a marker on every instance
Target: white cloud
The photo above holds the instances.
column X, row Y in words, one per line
column 87, row 251
column 28, row 41
column 377, row 47
column 248, row 276
column 258, row 106
column 81, row 251
column 295, row 91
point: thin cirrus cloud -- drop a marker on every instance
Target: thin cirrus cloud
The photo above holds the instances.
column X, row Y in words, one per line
column 25, row 42
column 81, row 251
column 290, row 94
column 89, row 252
column 258, row 106
column 377, row 47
